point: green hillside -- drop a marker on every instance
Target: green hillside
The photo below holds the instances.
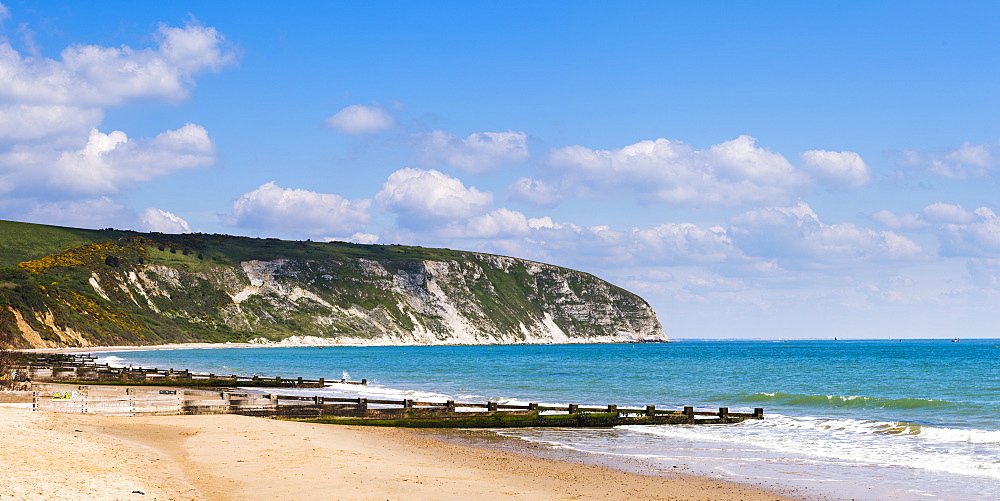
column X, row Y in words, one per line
column 66, row 286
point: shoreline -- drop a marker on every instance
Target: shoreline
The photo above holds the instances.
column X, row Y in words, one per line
column 64, row 456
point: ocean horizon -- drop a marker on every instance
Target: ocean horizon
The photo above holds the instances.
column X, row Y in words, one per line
column 851, row 419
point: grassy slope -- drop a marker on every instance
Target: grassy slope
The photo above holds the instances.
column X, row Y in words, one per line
column 25, row 241
column 501, row 294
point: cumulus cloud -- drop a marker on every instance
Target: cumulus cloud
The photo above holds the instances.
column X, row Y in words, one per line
column 478, row 152
column 731, row 173
column 277, row 209
column 965, row 162
column 90, row 75
column 4, row 12
column 838, row 170
column 358, row 119
column 110, row 162
column 51, row 145
column 947, row 213
column 153, row 219
column 797, row 233
column 978, row 238
column 420, row 198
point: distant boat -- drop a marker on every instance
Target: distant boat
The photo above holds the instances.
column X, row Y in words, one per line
column 954, row 340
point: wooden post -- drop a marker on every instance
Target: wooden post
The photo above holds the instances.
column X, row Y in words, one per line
column 491, row 406
column 573, row 408
column 211, row 376
column 407, row 404
column 318, row 399
column 299, row 382
column 532, row 406
column 364, row 382
column 758, row 413
column 650, row 410
column 723, row 413
column 322, row 382
column 362, row 404
column 689, row 411
column 613, row 408
column 450, row 405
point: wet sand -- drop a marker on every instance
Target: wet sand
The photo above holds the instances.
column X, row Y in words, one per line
column 229, row 457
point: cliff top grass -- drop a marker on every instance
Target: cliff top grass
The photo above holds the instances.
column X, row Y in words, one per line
column 21, row 242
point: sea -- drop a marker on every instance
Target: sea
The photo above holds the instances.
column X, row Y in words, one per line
column 845, row 419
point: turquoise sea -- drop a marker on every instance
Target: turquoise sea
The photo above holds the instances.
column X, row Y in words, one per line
column 887, row 419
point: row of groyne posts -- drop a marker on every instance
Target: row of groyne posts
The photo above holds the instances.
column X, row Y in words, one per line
column 62, row 387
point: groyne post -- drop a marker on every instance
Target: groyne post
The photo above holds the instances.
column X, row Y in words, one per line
column 758, row 413
column 723, row 413
column 450, row 405
column 573, row 408
column 491, row 406
column 650, row 410
column 362, row 404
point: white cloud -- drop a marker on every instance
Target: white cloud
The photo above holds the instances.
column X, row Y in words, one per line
column 153, row 219
column 87, row 213
column 358, row 119
column 51, row 145
column 422, row 197
column 90, row 75
column 947, row 213
column 4, row 12
column 796, row 233
column 497, row 223
column 732, row 173
column 838, row 170
column 979, row 238
column 673, row 242
column 110, row 162
column 276, row 209
column 539, row 193
column 24, row 122
column 479, row 152
column 899, row 221
column 965, row 162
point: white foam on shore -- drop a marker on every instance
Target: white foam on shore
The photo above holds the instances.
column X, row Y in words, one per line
column 876, row 443
column 112, row 360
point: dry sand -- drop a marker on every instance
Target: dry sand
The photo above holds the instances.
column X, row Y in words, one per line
column 74, row 456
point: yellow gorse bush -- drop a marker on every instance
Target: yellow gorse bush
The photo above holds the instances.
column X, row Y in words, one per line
column 89, row 255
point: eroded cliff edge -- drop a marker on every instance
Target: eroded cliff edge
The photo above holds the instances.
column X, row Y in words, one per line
column 113, row 287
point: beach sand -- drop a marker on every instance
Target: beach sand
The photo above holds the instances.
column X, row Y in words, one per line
column 228, row 457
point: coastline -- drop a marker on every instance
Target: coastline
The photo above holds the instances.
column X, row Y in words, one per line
column 66, row 456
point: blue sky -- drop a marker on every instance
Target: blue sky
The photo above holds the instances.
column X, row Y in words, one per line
column 776, row 170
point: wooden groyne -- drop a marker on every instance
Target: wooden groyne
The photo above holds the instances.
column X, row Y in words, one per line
column 85, row 369
column 78, row 384
column 145, row 400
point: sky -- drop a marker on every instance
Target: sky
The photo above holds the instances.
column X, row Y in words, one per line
column 751, row 169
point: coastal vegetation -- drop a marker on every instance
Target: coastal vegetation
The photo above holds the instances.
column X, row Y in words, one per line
column 75, row 287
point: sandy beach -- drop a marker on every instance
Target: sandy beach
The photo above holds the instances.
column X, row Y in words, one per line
column 229, row 457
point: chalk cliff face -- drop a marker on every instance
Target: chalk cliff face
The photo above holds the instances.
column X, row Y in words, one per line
column 138, row 289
